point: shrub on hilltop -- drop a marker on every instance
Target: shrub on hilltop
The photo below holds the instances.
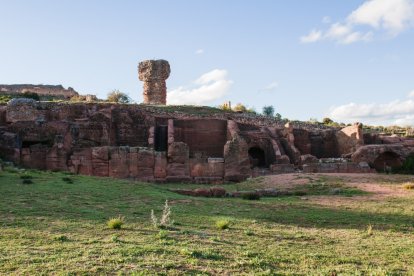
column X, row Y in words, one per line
column 117, row 96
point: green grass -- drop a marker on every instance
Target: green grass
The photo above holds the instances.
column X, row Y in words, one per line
column 52, row 227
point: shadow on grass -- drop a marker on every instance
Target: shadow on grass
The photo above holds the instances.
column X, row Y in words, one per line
column 96, row 200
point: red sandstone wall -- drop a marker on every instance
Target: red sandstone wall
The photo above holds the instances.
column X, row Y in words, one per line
column 207, row 137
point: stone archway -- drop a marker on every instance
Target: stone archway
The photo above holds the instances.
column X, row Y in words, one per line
column 257, row 157
column 387, row 161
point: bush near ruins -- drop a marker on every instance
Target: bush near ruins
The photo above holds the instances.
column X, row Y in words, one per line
column 117, row 96
column 407, row 167
column 225, row 106
column 31, row 95
column 5, row 98
column 243, row 109
column 240, row 108
column 268, row 110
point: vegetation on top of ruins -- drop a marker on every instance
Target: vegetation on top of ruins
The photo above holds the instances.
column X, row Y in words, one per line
column 5, row 98
column 187, row 109
column 30, row 95
column 116, row 96
column 268, row 110
column 58, row 228
column 239, row 107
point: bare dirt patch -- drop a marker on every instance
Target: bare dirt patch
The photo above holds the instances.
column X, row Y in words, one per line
column 378, row 186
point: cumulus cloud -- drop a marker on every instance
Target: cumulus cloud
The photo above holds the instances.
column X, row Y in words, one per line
column 199, row 52
column 398, row 112
column 313, row 36
column 389, row 16
column 208, row 87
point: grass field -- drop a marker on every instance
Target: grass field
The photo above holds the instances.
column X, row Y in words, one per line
column 53, row 226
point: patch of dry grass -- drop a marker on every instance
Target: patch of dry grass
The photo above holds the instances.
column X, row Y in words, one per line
column 408, row 186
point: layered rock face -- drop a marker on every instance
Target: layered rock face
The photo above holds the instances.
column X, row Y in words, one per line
column 44, row 91
column 154, row 74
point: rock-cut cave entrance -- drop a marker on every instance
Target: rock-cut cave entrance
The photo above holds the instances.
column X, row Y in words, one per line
column 257, row 157
column 161, row 138
column 386, row 161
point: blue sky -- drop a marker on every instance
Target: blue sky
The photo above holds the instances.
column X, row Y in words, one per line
column 350, row 60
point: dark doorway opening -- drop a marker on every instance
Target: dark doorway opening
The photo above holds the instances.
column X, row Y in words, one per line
column 257, row 157
column 28, row 144
column 161, row 138
column 387, row 161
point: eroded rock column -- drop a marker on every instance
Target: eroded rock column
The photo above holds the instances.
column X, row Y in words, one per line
column 154, row 73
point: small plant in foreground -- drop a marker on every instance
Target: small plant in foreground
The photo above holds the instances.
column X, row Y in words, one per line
column 369, row 230
column 61, row 238
column 408, row 186
column 248, row 232
column 165, row 220
column 27, row 181
column 67, row 179
column 162, row 235
column 115, row 223
column 25, row 176
column 115, row 238
column 251, row 196
column 223, row 224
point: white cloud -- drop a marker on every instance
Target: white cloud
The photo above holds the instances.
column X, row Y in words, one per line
column 326, row 19
column 209, row 87
column 389, row 16
column 270, row 87
column 399, row 112
column 313, row 36
column 199, row 52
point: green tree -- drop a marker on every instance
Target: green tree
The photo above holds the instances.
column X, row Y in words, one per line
column 327, row 121
column 278, row 116
column 268, row 110
column 31, row 95
column 116, row 96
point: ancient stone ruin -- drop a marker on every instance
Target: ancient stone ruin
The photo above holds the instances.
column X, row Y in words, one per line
column 186, row 144
column 45, row 92
column 154, row 73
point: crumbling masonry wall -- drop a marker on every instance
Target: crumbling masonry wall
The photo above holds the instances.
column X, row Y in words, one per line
column 120, row 141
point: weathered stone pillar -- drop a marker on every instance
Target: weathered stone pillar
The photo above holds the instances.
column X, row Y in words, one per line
column 154, row 73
